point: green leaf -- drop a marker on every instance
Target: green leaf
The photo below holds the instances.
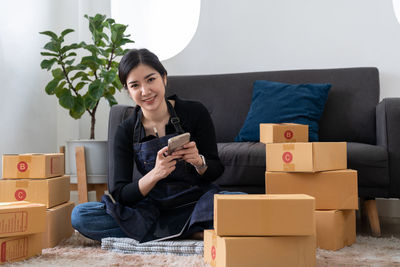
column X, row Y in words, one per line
column 92, row 48
column 111, row 100
column 69, row 47
column 79, row 107
column 111, row 90
column 66, row 100
column 117, row 32
column 78, row 75
column 65, row 32
column 79, row 86
column 117, row 84
column 51, row 87
column 69, row 62
column 51, row 34
column 109, row 76
column 59, row 88
column 58, row 74
column 92, row 62
column 90, row 103
column 52, row 46
column 96, row 89
column 47, row 64
column 49, row 54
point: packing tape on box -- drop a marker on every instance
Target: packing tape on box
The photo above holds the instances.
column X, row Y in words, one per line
column 23, row 166
column 287, row 158
column 288, row 146
column 55, row 164
column 22, row 184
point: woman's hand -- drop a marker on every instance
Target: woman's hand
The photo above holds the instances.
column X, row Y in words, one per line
column 164, row 164
column 190, row 154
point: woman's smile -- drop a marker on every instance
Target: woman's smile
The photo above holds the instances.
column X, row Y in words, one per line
column 149, row 100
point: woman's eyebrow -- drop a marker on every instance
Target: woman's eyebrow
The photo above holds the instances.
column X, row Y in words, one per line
column 147, row 76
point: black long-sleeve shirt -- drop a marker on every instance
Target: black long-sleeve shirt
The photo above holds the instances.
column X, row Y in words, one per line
column 194, row 118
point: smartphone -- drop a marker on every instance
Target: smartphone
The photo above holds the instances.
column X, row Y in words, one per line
column 177, row 142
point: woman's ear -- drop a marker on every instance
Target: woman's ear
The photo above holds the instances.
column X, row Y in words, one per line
column 165, row 80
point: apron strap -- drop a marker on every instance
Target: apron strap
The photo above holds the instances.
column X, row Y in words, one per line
column 174, row 119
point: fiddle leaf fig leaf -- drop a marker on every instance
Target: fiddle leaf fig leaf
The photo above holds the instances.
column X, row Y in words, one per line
column 51, row 87
column 110, row 98
column 79, row 86
column 65, row 32
column 96, row 90
column 66, row 99
column 79, row 107
column 47, row 64
column 51, row 34
column 58, row 74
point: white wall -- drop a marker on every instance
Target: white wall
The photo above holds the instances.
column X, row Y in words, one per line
column 241, row 36
column 28, row 120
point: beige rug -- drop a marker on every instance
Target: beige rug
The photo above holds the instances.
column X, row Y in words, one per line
column 79, row 251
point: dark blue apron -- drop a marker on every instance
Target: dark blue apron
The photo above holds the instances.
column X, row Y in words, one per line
column 178, row 205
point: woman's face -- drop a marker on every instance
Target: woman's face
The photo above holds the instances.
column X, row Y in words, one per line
column 146, row 87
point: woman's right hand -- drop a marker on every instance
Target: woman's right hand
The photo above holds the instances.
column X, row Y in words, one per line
column 164, row 164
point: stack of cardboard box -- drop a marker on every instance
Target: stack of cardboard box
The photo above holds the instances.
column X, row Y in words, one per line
column 39, row 178
column 21, row 230
column 262, row 230
column 318, row 169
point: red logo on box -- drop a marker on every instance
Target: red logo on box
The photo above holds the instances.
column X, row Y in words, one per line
column 213, row 252
column 3, row 252
column 288, row 134
column 20, row 194
column 287, row 157
column 22, row 166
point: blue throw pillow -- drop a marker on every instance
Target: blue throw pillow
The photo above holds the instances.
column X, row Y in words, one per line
column 275, row 102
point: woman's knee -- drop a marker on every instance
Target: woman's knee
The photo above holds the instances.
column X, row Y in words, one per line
column 86, row 212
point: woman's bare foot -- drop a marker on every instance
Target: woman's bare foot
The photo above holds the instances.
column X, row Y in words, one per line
column 198, row 236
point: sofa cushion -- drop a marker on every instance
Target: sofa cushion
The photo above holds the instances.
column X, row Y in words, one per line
column 371, row 162
column 244, row 163
column 275, row 102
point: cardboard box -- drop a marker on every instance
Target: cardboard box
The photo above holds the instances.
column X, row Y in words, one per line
column 58, row 221
column 21, row 218
column 34, row 166
column 264, row 215
column 259, row 251
column 283, row 133
column 335, row 228
column 331, row 189
column 51, row 191
column 306, row 157
column 18, row 248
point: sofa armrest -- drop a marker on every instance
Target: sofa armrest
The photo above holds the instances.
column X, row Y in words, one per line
column 388, row 135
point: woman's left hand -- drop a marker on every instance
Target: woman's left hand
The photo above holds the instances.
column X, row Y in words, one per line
column 190, row 154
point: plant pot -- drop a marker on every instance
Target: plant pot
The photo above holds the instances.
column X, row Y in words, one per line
column 95, row 158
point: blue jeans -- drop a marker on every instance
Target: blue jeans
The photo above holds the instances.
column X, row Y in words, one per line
column 92, row 221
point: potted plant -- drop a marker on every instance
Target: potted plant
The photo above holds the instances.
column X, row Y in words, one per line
column 83, row 74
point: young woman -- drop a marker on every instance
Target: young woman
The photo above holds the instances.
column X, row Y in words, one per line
column 174, row 196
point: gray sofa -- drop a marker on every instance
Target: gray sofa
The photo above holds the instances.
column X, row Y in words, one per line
column 352, row 113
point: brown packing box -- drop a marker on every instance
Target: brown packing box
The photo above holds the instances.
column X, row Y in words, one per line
column 18, row 248
column 306, row 157
column 51, row 191
column 33, row 166
column 58, row 221
column 331, row 189
column 335, row 228
column 264, row 215
column 283, row 133
column 259, row 251
column 21, row 218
